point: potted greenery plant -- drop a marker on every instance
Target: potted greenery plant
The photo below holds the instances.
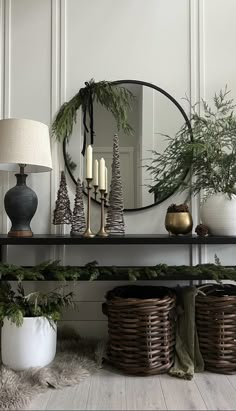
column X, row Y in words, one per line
column 29, row 326
column 178, row 219
column 210, row 157
column 114, row 98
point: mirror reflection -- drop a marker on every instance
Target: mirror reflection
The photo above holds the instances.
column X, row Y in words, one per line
column 152, row 116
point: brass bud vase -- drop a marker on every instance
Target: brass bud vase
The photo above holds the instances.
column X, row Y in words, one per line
column 178, row 223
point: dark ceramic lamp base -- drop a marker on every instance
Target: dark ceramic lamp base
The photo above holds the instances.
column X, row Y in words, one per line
column 20, row 204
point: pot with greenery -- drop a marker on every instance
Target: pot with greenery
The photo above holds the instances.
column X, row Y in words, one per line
column 204, row 161
column 113, row 97
column 178, row 219
column 29, row 326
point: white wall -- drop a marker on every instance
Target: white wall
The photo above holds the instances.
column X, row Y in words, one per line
column 49, row 48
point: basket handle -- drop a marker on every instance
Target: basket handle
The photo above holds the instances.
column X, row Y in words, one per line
column 210, row 288
column 207, row 288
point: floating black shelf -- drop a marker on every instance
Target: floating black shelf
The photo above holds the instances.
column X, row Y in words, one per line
column 135, row 239
column 115, row 240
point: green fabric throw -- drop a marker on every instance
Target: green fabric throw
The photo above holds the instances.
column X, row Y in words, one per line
column 188, row 358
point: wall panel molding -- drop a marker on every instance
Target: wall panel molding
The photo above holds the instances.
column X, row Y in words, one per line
column 194, row 67
column 2, row 67
column 197, row 92
column 202, row 58
column 55, row 95
column 7, row 60
column 2, row 43
column 58, row 96
column 5, row 91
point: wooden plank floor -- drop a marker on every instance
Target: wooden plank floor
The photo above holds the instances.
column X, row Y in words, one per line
column 111, row 390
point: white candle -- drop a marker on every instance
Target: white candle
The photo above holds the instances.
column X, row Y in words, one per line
column 89, row 162
column 106, row 180
column 102, row 184
column 95, row 173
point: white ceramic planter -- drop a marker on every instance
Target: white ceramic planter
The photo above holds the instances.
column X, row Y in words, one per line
column 218, row 212
column 31, row 345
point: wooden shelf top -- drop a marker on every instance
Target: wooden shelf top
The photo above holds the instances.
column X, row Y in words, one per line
column 49, row 239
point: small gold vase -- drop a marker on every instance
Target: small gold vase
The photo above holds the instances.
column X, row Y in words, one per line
column 179, row 223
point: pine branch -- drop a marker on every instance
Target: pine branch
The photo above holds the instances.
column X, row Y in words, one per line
column 115, row 99
column 93, row 272
column 71, row 164
column 62, row 126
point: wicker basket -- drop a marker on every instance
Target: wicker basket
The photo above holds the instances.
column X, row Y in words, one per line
column 216, row 326
column 141, row 327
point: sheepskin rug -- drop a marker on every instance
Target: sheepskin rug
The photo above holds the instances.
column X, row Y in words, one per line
column 75, row 360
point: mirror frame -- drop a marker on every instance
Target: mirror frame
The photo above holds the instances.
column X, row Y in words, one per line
column 187, row 121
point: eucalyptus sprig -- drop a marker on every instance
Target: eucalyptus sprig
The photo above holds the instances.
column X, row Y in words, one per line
column 114, row 98
column 16, row 305
column 209, row 156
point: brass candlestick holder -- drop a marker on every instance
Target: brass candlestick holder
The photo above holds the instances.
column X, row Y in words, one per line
column 88, row 232
column 102, row 232
column 95, row 186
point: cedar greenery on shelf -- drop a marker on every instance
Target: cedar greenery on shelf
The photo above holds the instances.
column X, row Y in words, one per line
column 48, row 271
column 114, row 98
column 53, row 271
column 16, row 305
column 210, row 154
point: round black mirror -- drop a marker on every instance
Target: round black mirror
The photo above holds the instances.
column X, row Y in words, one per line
column 153, row 115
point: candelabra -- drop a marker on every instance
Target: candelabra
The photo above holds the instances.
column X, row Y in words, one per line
column 88, row 232
column 102, row 232
column 95, row 186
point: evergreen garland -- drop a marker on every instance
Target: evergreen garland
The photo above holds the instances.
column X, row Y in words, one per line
column 53, row 271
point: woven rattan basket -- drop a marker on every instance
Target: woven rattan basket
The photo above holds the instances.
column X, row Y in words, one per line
column 216, row 327
column 141, row 328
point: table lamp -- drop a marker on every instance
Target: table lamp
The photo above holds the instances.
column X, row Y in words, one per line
column 24, row 148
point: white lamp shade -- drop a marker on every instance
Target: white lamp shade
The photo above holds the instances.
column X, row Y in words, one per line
column 24, row 142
